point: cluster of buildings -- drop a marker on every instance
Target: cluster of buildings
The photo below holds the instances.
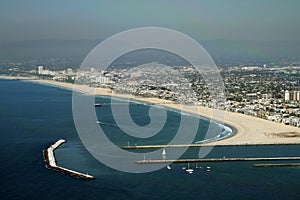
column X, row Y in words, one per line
column 42, row 71
column 269, row 93
column 292, row 95
column 263, row 92
column 158, row 82
column 67, row 75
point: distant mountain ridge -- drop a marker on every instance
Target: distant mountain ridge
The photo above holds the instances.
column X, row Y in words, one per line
column 35, row 49
column 222, row 51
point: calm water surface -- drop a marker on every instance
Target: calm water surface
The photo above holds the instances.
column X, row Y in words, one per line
column 32, row 116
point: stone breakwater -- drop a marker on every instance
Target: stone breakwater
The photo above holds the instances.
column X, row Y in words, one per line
column 51, row 162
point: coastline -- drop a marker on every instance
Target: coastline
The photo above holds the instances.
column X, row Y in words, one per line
column 249, row 130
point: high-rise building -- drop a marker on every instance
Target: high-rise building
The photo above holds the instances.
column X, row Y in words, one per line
column 40, row 69
column 296, row 95
column 286, row 95
column 292, row 95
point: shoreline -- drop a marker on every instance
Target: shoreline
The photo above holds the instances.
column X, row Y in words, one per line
column 248, row 129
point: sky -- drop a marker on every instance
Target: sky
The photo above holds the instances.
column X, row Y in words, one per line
column 258, row 20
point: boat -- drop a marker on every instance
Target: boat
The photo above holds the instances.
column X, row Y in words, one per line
column 208, row 169
column 97, row 105
column 190, row 171
column 168, row 167
column 164, row 153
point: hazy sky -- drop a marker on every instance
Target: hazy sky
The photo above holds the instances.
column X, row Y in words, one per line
column 98, row 19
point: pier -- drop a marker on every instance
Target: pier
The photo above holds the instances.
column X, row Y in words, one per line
column 216, row 160
column 51, row 162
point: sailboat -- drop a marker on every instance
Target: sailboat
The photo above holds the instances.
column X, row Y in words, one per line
column 190, row 171
column 164, row 153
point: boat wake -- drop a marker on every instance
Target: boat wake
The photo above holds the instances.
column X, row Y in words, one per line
column 106, row 123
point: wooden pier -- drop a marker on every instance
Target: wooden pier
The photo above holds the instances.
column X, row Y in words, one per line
column 216, row 160
column 51, row 162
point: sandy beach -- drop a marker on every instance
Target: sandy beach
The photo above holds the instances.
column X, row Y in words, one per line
column 249, row 130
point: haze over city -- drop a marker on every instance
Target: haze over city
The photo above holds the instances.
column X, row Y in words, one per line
column 258, row 20
column 232, row 31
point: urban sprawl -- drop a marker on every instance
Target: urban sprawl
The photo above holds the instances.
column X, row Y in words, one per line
column 271, row 93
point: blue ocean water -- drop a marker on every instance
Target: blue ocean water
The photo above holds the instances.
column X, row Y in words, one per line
column 33, row 116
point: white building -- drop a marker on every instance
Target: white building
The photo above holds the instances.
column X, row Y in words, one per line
column 40, row 69
column 251, row 96
column 102, row 80
column 297, row 96
column 287, row 95
column 292, row 95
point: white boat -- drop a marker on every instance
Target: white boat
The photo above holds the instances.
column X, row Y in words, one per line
column 208, row 169
column 164, row 153
column 190, row 171
column 168, row 167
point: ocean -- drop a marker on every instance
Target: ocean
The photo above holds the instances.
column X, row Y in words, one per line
column 33, row 116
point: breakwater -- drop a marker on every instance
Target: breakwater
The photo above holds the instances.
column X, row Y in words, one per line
column 277, row 165
column 204, row 145
column 216, row 160
column 51, row 162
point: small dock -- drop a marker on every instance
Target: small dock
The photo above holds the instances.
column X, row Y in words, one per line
column 51, row 162
column 216, row 160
